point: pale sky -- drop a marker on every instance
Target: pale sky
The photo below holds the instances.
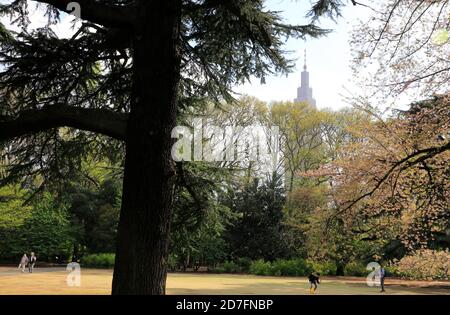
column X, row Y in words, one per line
column 328, row 58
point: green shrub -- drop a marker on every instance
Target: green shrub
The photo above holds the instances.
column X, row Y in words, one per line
column 239, row 266
column 280, row 267
column 356, row 269
column 230, row 267
column 217, row 269
column 260, row 268
column 244, row 264
column 98, row 261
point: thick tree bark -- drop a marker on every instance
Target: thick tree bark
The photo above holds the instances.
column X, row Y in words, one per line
column 102, row 121
column 144, row 226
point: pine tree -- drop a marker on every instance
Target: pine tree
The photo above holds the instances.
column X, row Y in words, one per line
column 259, row 233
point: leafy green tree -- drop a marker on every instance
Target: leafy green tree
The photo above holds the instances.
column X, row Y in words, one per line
column 13, row 213
column 301, row 127
column 46, row 231
column 335, row 241
column 12, row 208
column 299, row 209
column 311, row 139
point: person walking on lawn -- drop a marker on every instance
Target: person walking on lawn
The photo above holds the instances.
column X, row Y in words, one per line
column 32, row 262
column 382, row 276
column 314, row 281
column 23, row 262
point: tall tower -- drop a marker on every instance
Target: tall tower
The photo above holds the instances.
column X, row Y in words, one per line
column 304, row 92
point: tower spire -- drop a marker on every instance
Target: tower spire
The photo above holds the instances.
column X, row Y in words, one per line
column 304, row 67
column 305, row 92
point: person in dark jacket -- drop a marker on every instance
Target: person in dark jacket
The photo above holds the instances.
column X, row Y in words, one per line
column 32, row 262
column 382, row 276
column 314, row 280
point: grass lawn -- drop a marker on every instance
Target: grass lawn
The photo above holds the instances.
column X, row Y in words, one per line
column 53, row 281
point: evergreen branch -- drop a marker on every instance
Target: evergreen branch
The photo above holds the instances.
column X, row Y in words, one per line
column 99, row 13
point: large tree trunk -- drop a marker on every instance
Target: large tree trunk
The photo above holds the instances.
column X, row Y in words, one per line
column 144, row 226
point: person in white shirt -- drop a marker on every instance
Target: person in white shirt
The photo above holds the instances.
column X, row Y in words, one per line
column 23, row 262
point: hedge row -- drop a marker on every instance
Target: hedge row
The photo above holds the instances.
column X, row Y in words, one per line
column 423, row 265
column 281, row 267
column 98, row 261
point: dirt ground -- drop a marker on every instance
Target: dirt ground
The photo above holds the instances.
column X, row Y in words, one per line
column 53, row 281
